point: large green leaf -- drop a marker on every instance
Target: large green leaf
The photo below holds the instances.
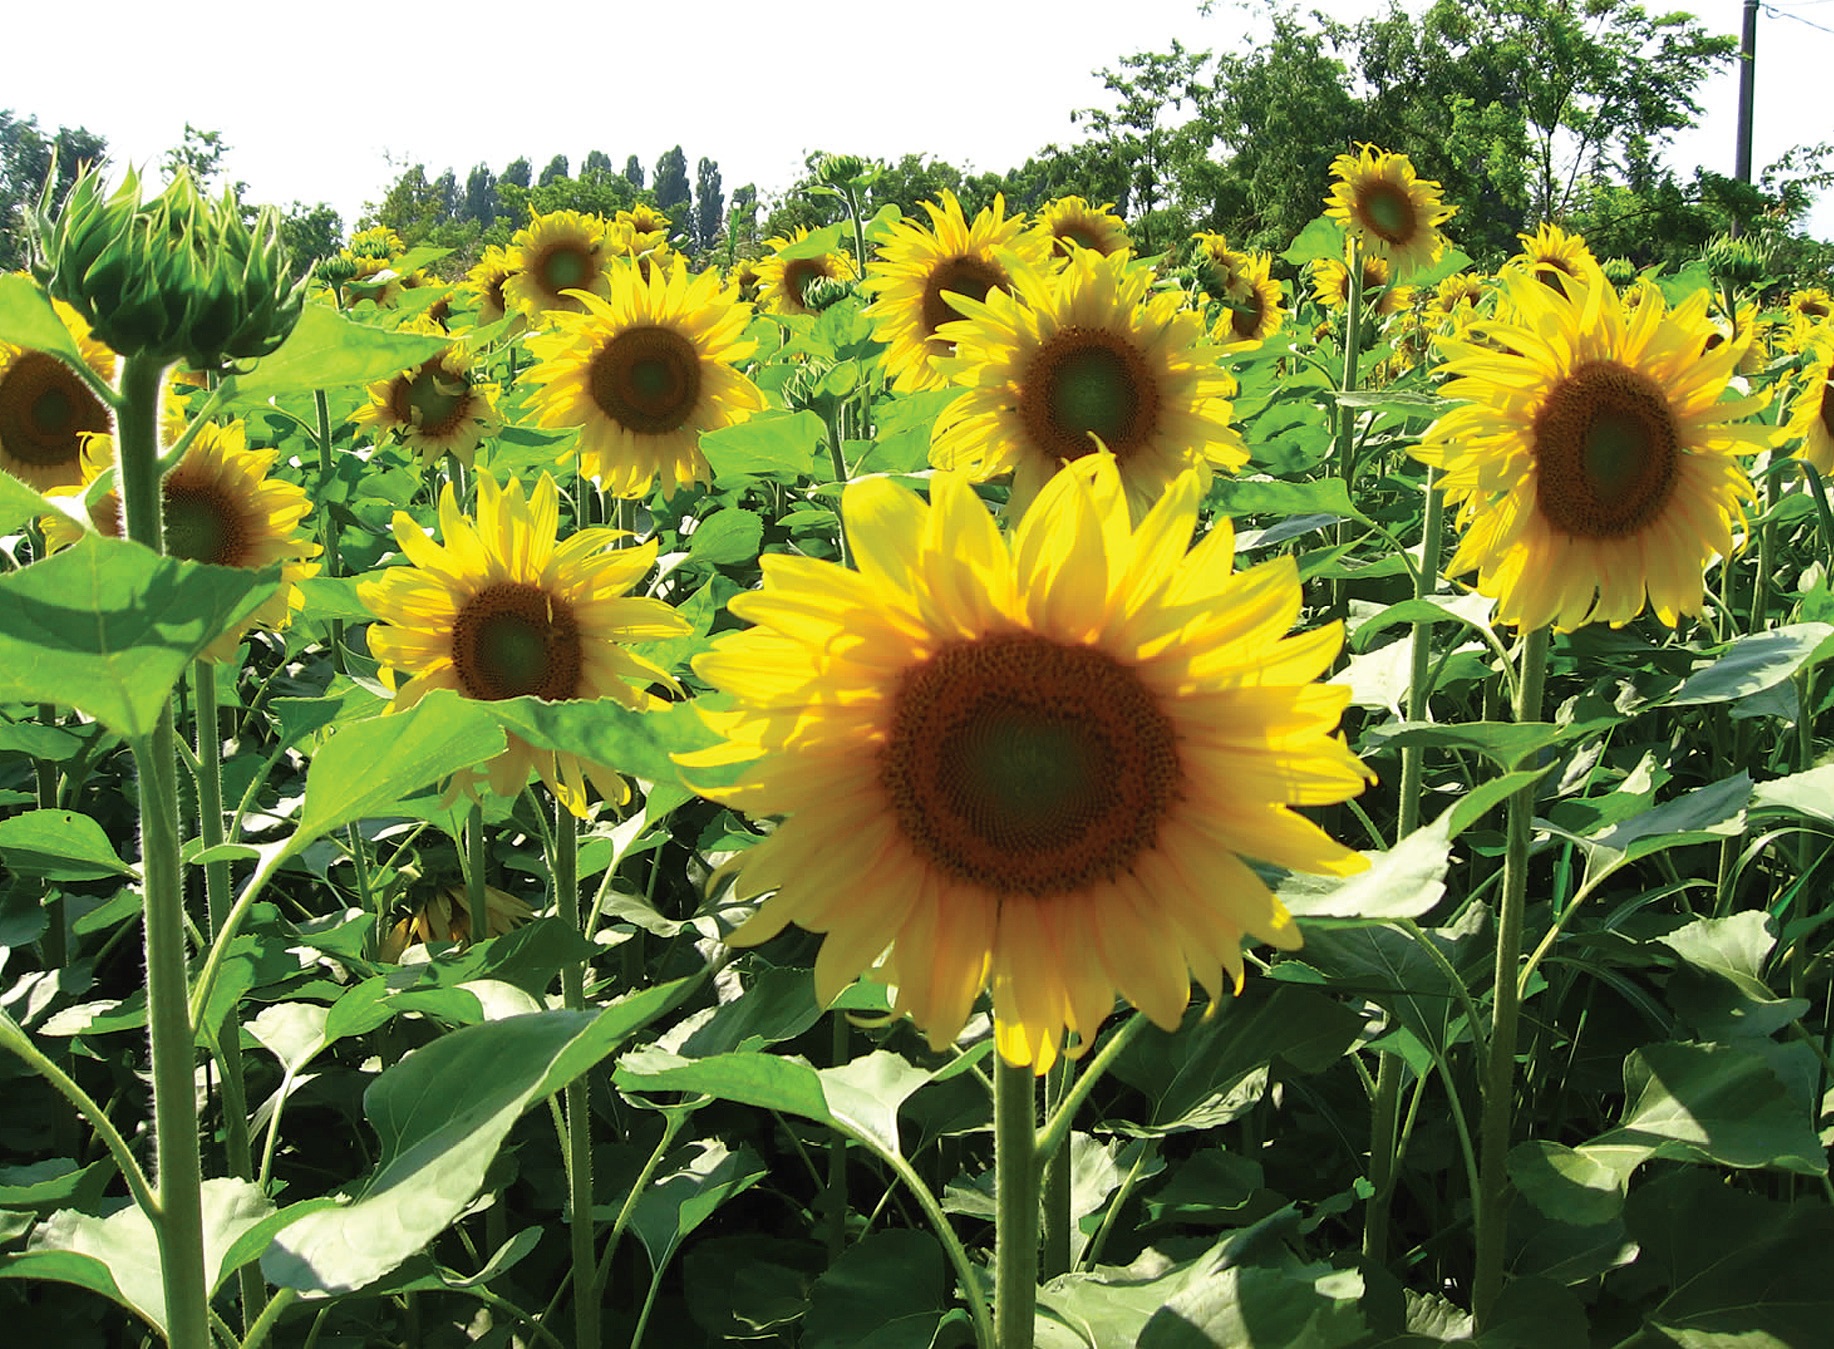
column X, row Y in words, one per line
column 887, row 1291
column 1707, row 814
column 1322, row 238
column 1314, row 1306
column 1390, row 968
column 107, row 627
column 19, row 503
column 60, row 845
column 602, row 732
column 1752, row 664
column 684, row 1197
column 325, row 350
column 727, row 536
column 781, row 446
column 441, row 1114
column 27, row 319
column 1809, row 793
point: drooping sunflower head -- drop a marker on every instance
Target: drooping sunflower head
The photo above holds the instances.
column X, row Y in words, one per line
column 1811, row 424
column 1252, row 309
column 1217, row 267
column 504, row 610
column 441, row 406
column 485, row 282
column 1553, row 256
column 1051, row 753
column 47, row 411
column 782, row 280
column 1387, row 209
column 1595, row 466
column 1080, row 360
column 643, row 373
column 917, row 268
column 443, row 915
column 1071, row 223
column 554, row 254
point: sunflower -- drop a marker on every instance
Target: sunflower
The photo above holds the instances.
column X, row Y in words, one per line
column 556, row 253
column 1454, row 303
column 1594, row 463
column 1219, row 268
column 46, row 409
column 643, row 373
column 437, row 407
column 486, row 280
column 1252, row 307
column 645, row 219
column 1082, row 360
column 1331, row 285
column 445, row 917
column 1394, row 214
column 1553, row 256
column 1812, row 303
column 1038, row 764
column 1812, row 413
column 502, row 611
column 781, row 282
column 221, row 507
column 745, row 276
column 1071, row 223
column 917, row 267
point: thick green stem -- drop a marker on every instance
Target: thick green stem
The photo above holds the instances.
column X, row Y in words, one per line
column 328, row 525
column 834, row 1191
column 1505, row 1008
column 1015, row 1197
column 1346, row 415
column 579, row 1118
column 1384, row 1128
column 1420, row 657
column 1055, row 1259
column 1760, row 590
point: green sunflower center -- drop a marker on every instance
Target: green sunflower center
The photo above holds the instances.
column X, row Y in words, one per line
column 203, row 525
column 647, row 380
column 45, row 410
column 1607, row 452
column 1029, row 767
column 565, row 266
column 432, row 399
column 1388, row 211
column 512, row 640
column 971, row 276
column 1087, row 382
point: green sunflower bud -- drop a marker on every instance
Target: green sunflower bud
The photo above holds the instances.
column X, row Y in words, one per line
column 1619, row 271
column 818, row 292
column 1743, row 262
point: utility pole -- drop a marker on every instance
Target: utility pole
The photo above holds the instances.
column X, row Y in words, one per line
column 1747, row 90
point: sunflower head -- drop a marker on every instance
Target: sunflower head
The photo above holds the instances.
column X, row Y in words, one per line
column 1389, row 211
column 1071, row 223
column 1052, row 755
column 645, row 219
column 1252, row 307
column 1554, row 256
column 47, row 410
column 441, row 406
column 485, row 281
column 553, row 256
column 444, row 915
column 783, row 282
column 1811, row 424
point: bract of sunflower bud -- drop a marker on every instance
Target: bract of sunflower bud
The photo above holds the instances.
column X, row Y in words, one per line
column 1619, row 271
column 180, row 277
column 1739, row 261
column 845, row 171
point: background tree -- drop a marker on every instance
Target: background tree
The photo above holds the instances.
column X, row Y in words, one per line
column 633, row 172
column 671, row 183
column 26, row 159
column 201, row 152
column 557, row 168
column 519, row 172
column 742, row 218
column 709, row 202
column 481, row 196
column 1143, row 132
column 311, row 233
column 597, row 161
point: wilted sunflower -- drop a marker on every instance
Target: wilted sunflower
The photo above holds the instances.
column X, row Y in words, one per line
column 554, row 254
column 1594, row 464
column 1038, row 764
column 47, row 411
column 445, row 917
column 485, row 283
column 916, row 267
column 1811, row 419
column 1394, row 214
column 438, row 407
column 643, row 373
column 1079, row 357
column 781, row 280
column 220, row 507
column 1071, row 223
column 502, row 610
column 1252, row 308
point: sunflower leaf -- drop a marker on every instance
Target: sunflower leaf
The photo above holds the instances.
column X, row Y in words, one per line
column 1752, row 664
column 19, row 503
column 28, row 320
column 327, row 351
column 60, row 845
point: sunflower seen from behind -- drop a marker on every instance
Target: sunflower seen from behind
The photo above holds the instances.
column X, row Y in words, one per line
column 1080, row 360
column 917, row 267
column 48, row 411
column 504, row 609
column 1594, row 465
column 643, row 372
column 1036, row 764
column 1386, row 208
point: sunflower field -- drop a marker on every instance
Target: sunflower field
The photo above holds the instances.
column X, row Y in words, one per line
column 951, row 782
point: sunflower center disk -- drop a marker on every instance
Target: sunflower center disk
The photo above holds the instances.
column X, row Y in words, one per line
column 1029, row 767
column 432, row 400
column 1085, row 383
column 797, row 273
column 200, row 526
column 1827, row 402
column 45, row 411
column 565, row 268
column 647, row 380
column 1607, row 451
column 1389, row 211
column 512, row 640
column 968, row 276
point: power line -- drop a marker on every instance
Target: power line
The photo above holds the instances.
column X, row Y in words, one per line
column 1776, row 13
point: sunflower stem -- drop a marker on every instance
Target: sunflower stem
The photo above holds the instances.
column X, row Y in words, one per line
column 838, row 459
column 328, row 525
column 1055, row 1259
column 1760, row 591
column 1015, row 1197
column 1500, row 1067
column 476, row 854
column 579, row 1120
column 1346, row 415
column 834, row 1190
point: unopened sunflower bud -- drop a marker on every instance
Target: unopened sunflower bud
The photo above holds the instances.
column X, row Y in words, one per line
column 1742, row 262
column 818, row 292
column 1619, row 271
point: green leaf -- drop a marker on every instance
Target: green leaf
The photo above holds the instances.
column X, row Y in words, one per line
column 781, row 446
column 886, row 1291
column 1314, row 1306
column 1236, row 498
column 60, row 845
column 1720, row 988
column 19, row 503
column 1505, row 743
column 602, row 732
column 28, row 319
column 107, row 626
column 683, row 1198
column 441, row 1114
column 1566, row 1185
column 1388, row 966
column 328, row 597
column 1810, row 793
column 824, row 240
column 1751, row 665
column 56, row 1183
column 325, row 350
column 1322, row 238
column 727, row 537
column 1704, row 815
column 1397, row 402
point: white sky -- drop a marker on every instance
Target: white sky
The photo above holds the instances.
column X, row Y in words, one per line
column 315, row 100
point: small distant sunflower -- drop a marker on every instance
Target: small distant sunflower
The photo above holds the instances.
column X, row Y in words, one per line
column 1811, row 419
column 916, row 267
column 781, row 282
column 437, row 407
column 645, row 219
column 221, row 507
column 744, row 277
column 1553, row 256
column 47, row 411
column 502, row 610
column 1071, row 223
column 1812, row 303
column 1252, row 308
column 486, row 280
column 445, row 917
column 1454, row 303
column 1331, row 285
column 1079, row 357
column 1394, row 214
column 643, row 373
column 1051, row 755
column 556, row 253
column 1594, row 464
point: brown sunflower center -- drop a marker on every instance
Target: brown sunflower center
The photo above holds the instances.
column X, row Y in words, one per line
column 1084, row 382
column 1027, row 766
column 1247, row 313
column 1607, row 450
column 432, row 399
column 45, row 411
column 1814, row 309
column 202, row 524
column 1080, row 234
column 511, row 639
column 970, row 276
column 647, row 380
column 797, row 273
column 564, row 266
column 1388, row 210
column 1827, row 401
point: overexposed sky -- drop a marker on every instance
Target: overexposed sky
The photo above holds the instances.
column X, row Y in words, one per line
column 317, row 102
